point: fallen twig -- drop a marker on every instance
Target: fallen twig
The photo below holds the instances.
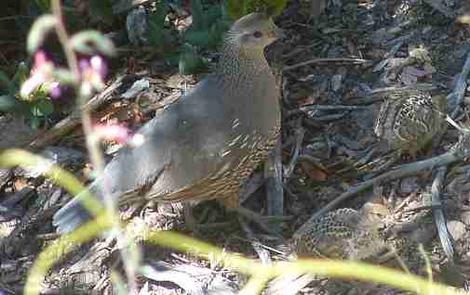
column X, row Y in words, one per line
column 322, row 60
column 274, row 188
column 388, row 56
column 441, row 7
column 438, row 212
column 74, row 119
column 455, row 98
column 420, row 86
column 318, row 107
column 299, row 138
column 449, row 157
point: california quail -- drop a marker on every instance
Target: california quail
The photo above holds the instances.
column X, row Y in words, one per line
column 208, row 142
column 409, row 119
column 344, row 233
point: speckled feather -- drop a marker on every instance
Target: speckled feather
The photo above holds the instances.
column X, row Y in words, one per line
column 409, row 119
column 207, row 143
column 343, row 233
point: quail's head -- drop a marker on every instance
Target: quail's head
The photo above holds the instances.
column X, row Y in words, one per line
column 253, row 31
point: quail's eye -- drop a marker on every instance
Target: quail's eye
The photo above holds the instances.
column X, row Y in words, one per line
column 257, row 34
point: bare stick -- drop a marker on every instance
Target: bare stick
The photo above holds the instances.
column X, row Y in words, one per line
column 438, row 212
column 74, row 119
column 320, row 60
column 299, row 138
column 274, row 188
column 441, row 7
column 399, row 172
column 456, row 97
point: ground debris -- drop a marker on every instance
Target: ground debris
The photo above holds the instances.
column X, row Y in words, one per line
column 339, row 62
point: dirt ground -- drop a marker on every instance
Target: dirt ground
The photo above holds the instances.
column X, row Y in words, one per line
column 335, row 70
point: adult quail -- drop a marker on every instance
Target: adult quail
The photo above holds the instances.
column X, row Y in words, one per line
column 207, row 143
column 344, row 233
column 408, row 120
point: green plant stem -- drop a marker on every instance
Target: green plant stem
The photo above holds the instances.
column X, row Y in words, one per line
column 427, row 262
column 322, row 267
column 72, row 62
column 92, row 141
column 64, row 40
column 15, row 157
column 255, row 285
column 48, row 257
column 261, row 273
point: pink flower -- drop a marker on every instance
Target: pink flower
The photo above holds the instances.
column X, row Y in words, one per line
column 40, row 60
column 41, row 73
column 93, row 71
column 118, row 133
column 114, row 132
column 98, row 65
column 55, row 90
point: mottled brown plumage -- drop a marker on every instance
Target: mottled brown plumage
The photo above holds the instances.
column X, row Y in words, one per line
column 409, row 119
column 343, row 233
column 207, row 143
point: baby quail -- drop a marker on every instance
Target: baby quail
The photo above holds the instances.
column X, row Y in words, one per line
column 208, row 142
column 344, row 233
column 409, row 119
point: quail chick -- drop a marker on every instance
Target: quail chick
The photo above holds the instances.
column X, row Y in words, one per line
column 344, row 233
column 207, row 143
column 409, row 119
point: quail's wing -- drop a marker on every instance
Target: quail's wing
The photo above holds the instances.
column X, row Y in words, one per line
column 181, row 145
column 415, row 119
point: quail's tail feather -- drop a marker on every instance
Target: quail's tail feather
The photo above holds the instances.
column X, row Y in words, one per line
column 73, row 214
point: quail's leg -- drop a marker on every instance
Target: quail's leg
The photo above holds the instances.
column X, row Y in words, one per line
column 192, row 223
column 232, row 205
column 189, row 220
column 377, row 159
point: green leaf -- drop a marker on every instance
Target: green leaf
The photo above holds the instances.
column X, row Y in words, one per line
column 73, row 21
column 64, row 76
column 239, row 8
column 90, row 42
column 4, row 81
column 210, row 36
column 158, row 18
column 22, row 73
column 156, row 34
column 41, row 27
column 7, row 103
column 198, row 38
column 216, row 32
column 270, row 7
column 42, row 107
column 172, row 58
column 190, row 62
column 101, row 10
column 35, row 122
column 236, row 8
column 199, row 20
column 43, row 5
